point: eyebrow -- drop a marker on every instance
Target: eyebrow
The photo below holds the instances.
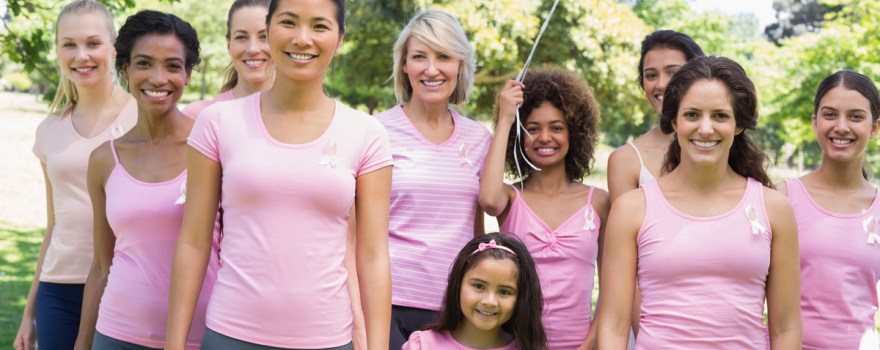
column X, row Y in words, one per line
column 140, row 55
column 98, row 36
column 850, row 110
column 556, row 121
column 291, row 14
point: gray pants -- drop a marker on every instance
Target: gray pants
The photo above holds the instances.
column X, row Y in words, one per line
column 214, row 340
column 103, row 342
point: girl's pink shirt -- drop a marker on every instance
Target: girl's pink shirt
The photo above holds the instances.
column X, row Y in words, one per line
column 434, row 340
column 285, row 212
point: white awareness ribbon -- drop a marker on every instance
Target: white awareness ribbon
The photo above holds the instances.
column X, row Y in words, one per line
column 589, row 219
column 329, row 157
column 116, row 131
column 517, row 143
column 464, row 154
column 182, row 198
column 870, row 226
column 755, row 220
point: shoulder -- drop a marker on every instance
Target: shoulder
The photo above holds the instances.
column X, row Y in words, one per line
column 779, row 210
column 782, row 187
column 624, row 157
column 49, row 123
column 101, row 161
column 427, row 340
column 632, row 201
column 471, row 126
column 601, row 201
column 389, row 114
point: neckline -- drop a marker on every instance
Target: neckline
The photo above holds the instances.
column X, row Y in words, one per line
column 739, row 204
column 133, row 178
column 422, row 138
column 522, row 201
column 806, row 193
column 109, row 127
column 262, row 125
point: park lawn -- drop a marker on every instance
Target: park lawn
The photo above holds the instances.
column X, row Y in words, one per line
column 19, row 248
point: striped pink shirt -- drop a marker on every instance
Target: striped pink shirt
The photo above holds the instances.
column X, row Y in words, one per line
column 433, row 200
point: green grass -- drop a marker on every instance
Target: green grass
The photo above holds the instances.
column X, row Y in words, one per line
column 19, row 248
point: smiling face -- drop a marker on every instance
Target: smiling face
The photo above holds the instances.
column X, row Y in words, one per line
column 660, row 64
column 548, row 144
column 247, row 44
column 84, row 48
column 705, row 124
column 157, row 73
column 844, row 125
column 488, row 295
column 303, row 37
column 432, row 75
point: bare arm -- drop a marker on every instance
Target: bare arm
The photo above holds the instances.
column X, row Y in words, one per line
column 602, row 204
column 193, row 249
column 623, row 171
column 359, row 332
column 372, row 201
column 618, row 272
column 100, row 164
column 27, row 335
column 494, row 197
column 479, row 222
column 784, row 280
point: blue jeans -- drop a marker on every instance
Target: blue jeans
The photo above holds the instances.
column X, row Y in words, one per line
column 58, row 308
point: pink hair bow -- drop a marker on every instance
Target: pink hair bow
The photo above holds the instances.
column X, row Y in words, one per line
column 492, row 245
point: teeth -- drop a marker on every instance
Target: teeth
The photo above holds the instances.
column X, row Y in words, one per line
column 705, row 144
column 660, row 98
column 544, row 150
column 82, row 70
column 156, row 93
column 301, row 57
column 253, row 63
column 433, row 83
column 486, row 313
column 841, row 141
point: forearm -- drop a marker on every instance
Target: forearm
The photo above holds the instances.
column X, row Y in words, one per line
column 187, row 276
column 92, row 294
column 374, row 274
column 785, row 340
column 30, row 304
column 493, row 199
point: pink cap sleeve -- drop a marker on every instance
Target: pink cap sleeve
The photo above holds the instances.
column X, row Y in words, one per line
column 414, row 342
column 377, row 153
column 205, row 135
column 483, row 149
column 38, row 143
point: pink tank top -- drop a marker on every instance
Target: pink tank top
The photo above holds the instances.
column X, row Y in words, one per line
column 145, row 217
column 703, row 279
column 566, row 263
column 840, row 268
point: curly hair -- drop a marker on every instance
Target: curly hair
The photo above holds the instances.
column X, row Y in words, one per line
column 746, row 158
column 148, row 22
column 574, row 98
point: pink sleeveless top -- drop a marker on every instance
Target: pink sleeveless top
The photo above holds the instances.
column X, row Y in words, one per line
column 840, row 268
column 566, row 263
column 703, row 279
column 145, row 217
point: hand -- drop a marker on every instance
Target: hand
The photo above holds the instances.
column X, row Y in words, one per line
column 510, row 98
column 26, row 338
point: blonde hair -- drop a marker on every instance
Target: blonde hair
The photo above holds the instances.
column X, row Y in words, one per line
column 65, row 96
column 443, row 33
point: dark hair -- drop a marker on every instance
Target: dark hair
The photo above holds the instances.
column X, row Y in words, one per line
column 668, row 39
column 574, row 97
column 850, row 80
column 854, row 81
column 148, row 22
column 525, row 323
column 231, row 73
column 340, row 13
column 745, row 157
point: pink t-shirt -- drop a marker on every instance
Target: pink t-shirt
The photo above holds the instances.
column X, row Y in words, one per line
column 434, row 196
column 434, row 340
column 66, row 156
column 134, row 307
column 566, row 262
column 285, row 211
column 840, row 268
column 703, row 279
column 193, row 109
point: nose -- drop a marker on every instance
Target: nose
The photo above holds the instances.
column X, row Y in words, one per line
column 431, row 69
column 706, row 127
column 489, row 299
column 253, row 47
column 158, row 77
column 662, row 82
column 82, row 54
column 543, row 135
column 301, row 37
column 841, row 124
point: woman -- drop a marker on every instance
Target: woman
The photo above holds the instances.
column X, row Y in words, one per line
column 840, row 266
column 89, row 108
column 558, row 218
column 251, row 69
column 706, row 243
column 157, row 52
column 437, row 159
column 293, row 162
column 639, row 161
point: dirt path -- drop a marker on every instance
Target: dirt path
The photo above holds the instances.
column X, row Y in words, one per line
column 22, row 194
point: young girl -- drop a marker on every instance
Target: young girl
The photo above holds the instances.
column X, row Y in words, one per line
column 137, row 179
column 557, row 217
column 708, row 241
column 639, row 161
column 251, row 69
column 839, row 242
column 438, row 155
column 289, row 165
column 493, row 300
column 89, row 109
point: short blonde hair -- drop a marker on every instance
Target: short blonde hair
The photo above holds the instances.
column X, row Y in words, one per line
column 443, row 33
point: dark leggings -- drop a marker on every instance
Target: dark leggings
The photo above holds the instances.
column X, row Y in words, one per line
column 405, row 321
column 58, row 308
column 103, row 342
column 217, row 341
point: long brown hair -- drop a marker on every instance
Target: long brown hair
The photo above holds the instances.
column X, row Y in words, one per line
column 746, row 158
